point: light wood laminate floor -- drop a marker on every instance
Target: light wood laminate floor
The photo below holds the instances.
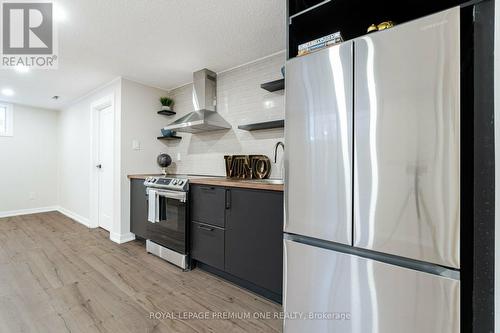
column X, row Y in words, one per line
column 59, row 276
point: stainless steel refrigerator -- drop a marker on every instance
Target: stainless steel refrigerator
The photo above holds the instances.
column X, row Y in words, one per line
column 372, row 229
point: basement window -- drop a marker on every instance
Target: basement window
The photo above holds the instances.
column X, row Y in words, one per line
column 6, row 120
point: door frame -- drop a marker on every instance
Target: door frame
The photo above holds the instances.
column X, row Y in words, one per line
column 95, row 108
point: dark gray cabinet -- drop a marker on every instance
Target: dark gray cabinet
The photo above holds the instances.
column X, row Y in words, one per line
column 208, row 204
column 239, row 232
column 254, row 237
column 207, row 244
column 138, row 208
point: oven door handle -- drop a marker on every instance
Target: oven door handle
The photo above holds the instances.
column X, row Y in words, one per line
column 181, row 196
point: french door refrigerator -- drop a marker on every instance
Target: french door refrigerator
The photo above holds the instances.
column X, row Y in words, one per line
column 372, row 202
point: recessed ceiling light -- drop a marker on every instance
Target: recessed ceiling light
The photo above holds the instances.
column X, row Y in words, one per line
column 7, row 92
column 22, row 69
column 55, row 98
column 60, row 14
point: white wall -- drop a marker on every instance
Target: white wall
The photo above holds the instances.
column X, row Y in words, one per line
column 28, row 162
column 240, row 101
column 75, row 152
column 139, row 122
column 136, row 118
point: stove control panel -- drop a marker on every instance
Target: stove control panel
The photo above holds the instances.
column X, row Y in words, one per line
column 175, row 184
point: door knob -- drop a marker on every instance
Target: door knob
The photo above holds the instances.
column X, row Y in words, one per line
column 99, row 166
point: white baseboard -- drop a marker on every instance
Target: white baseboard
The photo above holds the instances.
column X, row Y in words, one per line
column 28, row 211
column 115, row 237
column 78, row 218
column 121, row 238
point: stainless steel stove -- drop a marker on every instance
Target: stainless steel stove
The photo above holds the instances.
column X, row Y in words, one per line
column 167, row 230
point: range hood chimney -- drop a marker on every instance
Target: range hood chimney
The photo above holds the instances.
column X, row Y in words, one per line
column 204, row 118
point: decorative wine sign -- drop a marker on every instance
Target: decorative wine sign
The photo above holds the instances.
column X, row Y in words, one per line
column 248, row 166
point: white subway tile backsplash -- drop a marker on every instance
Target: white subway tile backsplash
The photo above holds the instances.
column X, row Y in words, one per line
column 240, row 101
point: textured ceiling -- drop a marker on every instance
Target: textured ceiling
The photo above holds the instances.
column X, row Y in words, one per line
column 156, row 42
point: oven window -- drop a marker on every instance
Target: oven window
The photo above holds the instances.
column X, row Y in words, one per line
column 170, row 232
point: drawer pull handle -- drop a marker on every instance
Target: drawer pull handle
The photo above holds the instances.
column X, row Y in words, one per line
column 202, row 227
column 208, row 188
column 228, row 199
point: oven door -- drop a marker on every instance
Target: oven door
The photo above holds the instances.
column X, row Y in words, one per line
column 167, row 219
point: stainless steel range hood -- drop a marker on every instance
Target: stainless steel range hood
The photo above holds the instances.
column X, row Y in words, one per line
column 204, row 118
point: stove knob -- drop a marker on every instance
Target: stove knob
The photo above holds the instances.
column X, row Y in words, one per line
column 181, row 182
column 174, row 182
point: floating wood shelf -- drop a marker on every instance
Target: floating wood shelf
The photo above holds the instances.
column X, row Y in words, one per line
column 166, row 113
column 274, row 85
column 169, row 137
column 262, row 126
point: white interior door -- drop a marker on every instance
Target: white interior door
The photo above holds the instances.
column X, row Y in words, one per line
column 105, row 168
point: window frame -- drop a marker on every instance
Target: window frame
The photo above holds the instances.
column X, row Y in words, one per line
column 9, row 120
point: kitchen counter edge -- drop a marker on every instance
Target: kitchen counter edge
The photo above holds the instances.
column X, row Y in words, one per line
column 226, row 182
column 222, row 181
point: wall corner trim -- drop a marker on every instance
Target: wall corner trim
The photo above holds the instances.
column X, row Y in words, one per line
column 78, row 218
column 121, row 238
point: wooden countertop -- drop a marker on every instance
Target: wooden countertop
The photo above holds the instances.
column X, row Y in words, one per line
column 222, row 181
column 227, row 182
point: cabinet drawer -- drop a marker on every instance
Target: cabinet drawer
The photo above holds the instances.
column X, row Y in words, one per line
column 207, row 244
column 208, row 204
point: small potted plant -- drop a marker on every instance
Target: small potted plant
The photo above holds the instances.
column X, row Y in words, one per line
column 166, row 103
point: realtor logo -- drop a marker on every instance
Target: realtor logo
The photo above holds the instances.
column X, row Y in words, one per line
column 28, row 34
